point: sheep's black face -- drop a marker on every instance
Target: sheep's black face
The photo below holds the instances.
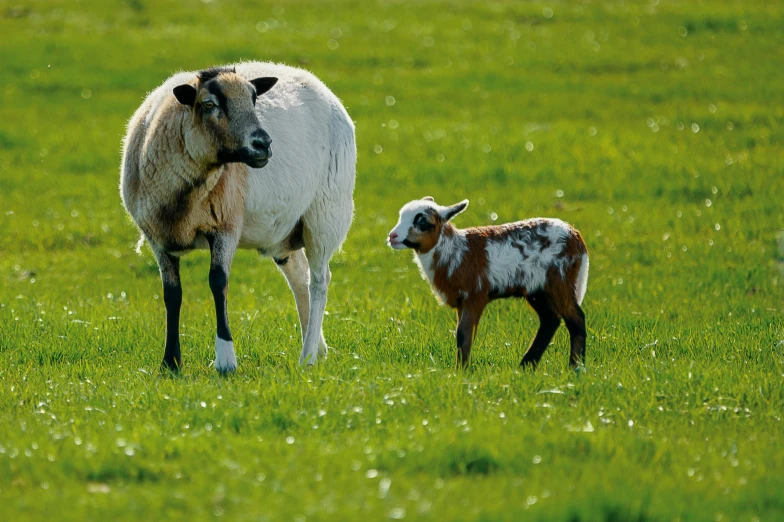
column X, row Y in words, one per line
column 224, row 110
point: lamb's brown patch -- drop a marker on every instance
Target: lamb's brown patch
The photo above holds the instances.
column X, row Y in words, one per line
column 426, row 241
column 562, row 288
column 469, row 279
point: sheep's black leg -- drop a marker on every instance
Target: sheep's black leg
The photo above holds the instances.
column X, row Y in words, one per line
column 222, row 249
column 169, row 266
column 548, row 324
column 575, row 323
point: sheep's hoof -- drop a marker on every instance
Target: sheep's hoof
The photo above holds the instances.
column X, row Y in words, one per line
column 323, row 349
column 225, row 369
column 171, row 366
column 308, row 359
column 225, row 360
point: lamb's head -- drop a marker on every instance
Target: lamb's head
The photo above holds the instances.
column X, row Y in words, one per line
column 421, row 223
column 224, row 126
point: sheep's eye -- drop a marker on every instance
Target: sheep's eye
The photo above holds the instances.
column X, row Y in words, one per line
column 208, row 105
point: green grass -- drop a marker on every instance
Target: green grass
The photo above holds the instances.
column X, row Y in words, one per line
column 655, row 127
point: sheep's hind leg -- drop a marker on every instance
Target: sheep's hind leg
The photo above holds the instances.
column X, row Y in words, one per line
column 222, row 248
column 549, row 321
column 295, row 268
column 169, row 267
column 326, row 224
column 319, row 283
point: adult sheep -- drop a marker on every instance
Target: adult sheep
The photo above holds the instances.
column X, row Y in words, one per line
column 197, row 172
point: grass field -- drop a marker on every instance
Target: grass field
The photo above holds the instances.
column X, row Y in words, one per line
column 654, row 127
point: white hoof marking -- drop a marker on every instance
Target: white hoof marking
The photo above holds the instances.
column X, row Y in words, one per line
column 225, row 360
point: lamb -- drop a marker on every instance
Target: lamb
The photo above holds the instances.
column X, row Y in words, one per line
column 192, row 178
column 543, row 260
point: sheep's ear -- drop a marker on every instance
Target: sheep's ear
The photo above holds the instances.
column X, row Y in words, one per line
column 262, row 85
column 428, row 198
column 450, row 212
column 185, row 94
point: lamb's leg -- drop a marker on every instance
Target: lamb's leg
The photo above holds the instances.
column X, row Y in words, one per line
column 470, row 314
column 169, row 267
column 223, row 245
column 549, row 321
column 575, row 323
column 295, row 269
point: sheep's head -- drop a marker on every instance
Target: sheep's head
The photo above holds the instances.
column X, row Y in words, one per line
column 420, row 224
column 226, row 128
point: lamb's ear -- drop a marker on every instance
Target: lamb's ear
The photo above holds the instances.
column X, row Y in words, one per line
column 185, row 94
column 428, row 198
column 262, row 85
column 450, row 212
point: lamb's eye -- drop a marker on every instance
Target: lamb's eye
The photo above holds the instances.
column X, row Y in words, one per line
column 422, row 223
column 208, row 105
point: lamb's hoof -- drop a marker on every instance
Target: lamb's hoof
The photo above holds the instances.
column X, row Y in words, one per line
column 225, row 360
column 527, row 364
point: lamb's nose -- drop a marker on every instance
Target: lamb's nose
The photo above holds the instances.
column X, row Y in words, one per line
column 392, row 235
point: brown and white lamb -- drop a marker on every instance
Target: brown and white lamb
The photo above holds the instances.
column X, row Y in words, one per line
column 542, row 260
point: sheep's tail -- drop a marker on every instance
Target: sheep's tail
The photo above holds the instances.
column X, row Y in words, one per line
column 140, row 244
column 582, row 280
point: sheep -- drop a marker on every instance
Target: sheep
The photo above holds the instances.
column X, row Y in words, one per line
column 543, row 260
column 198, row 173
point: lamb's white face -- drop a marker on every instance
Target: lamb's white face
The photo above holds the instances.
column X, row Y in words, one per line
column 420, row 224
column 417, row 218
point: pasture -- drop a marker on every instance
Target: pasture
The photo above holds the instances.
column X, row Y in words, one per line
column 655, row 127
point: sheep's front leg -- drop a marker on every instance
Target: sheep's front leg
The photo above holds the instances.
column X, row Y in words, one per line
column 169, row 267
column 469, row 316
column 223, row 245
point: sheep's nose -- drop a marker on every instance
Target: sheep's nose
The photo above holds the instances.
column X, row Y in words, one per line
column 260, row 149
column 261, row 142
column 392, row 235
